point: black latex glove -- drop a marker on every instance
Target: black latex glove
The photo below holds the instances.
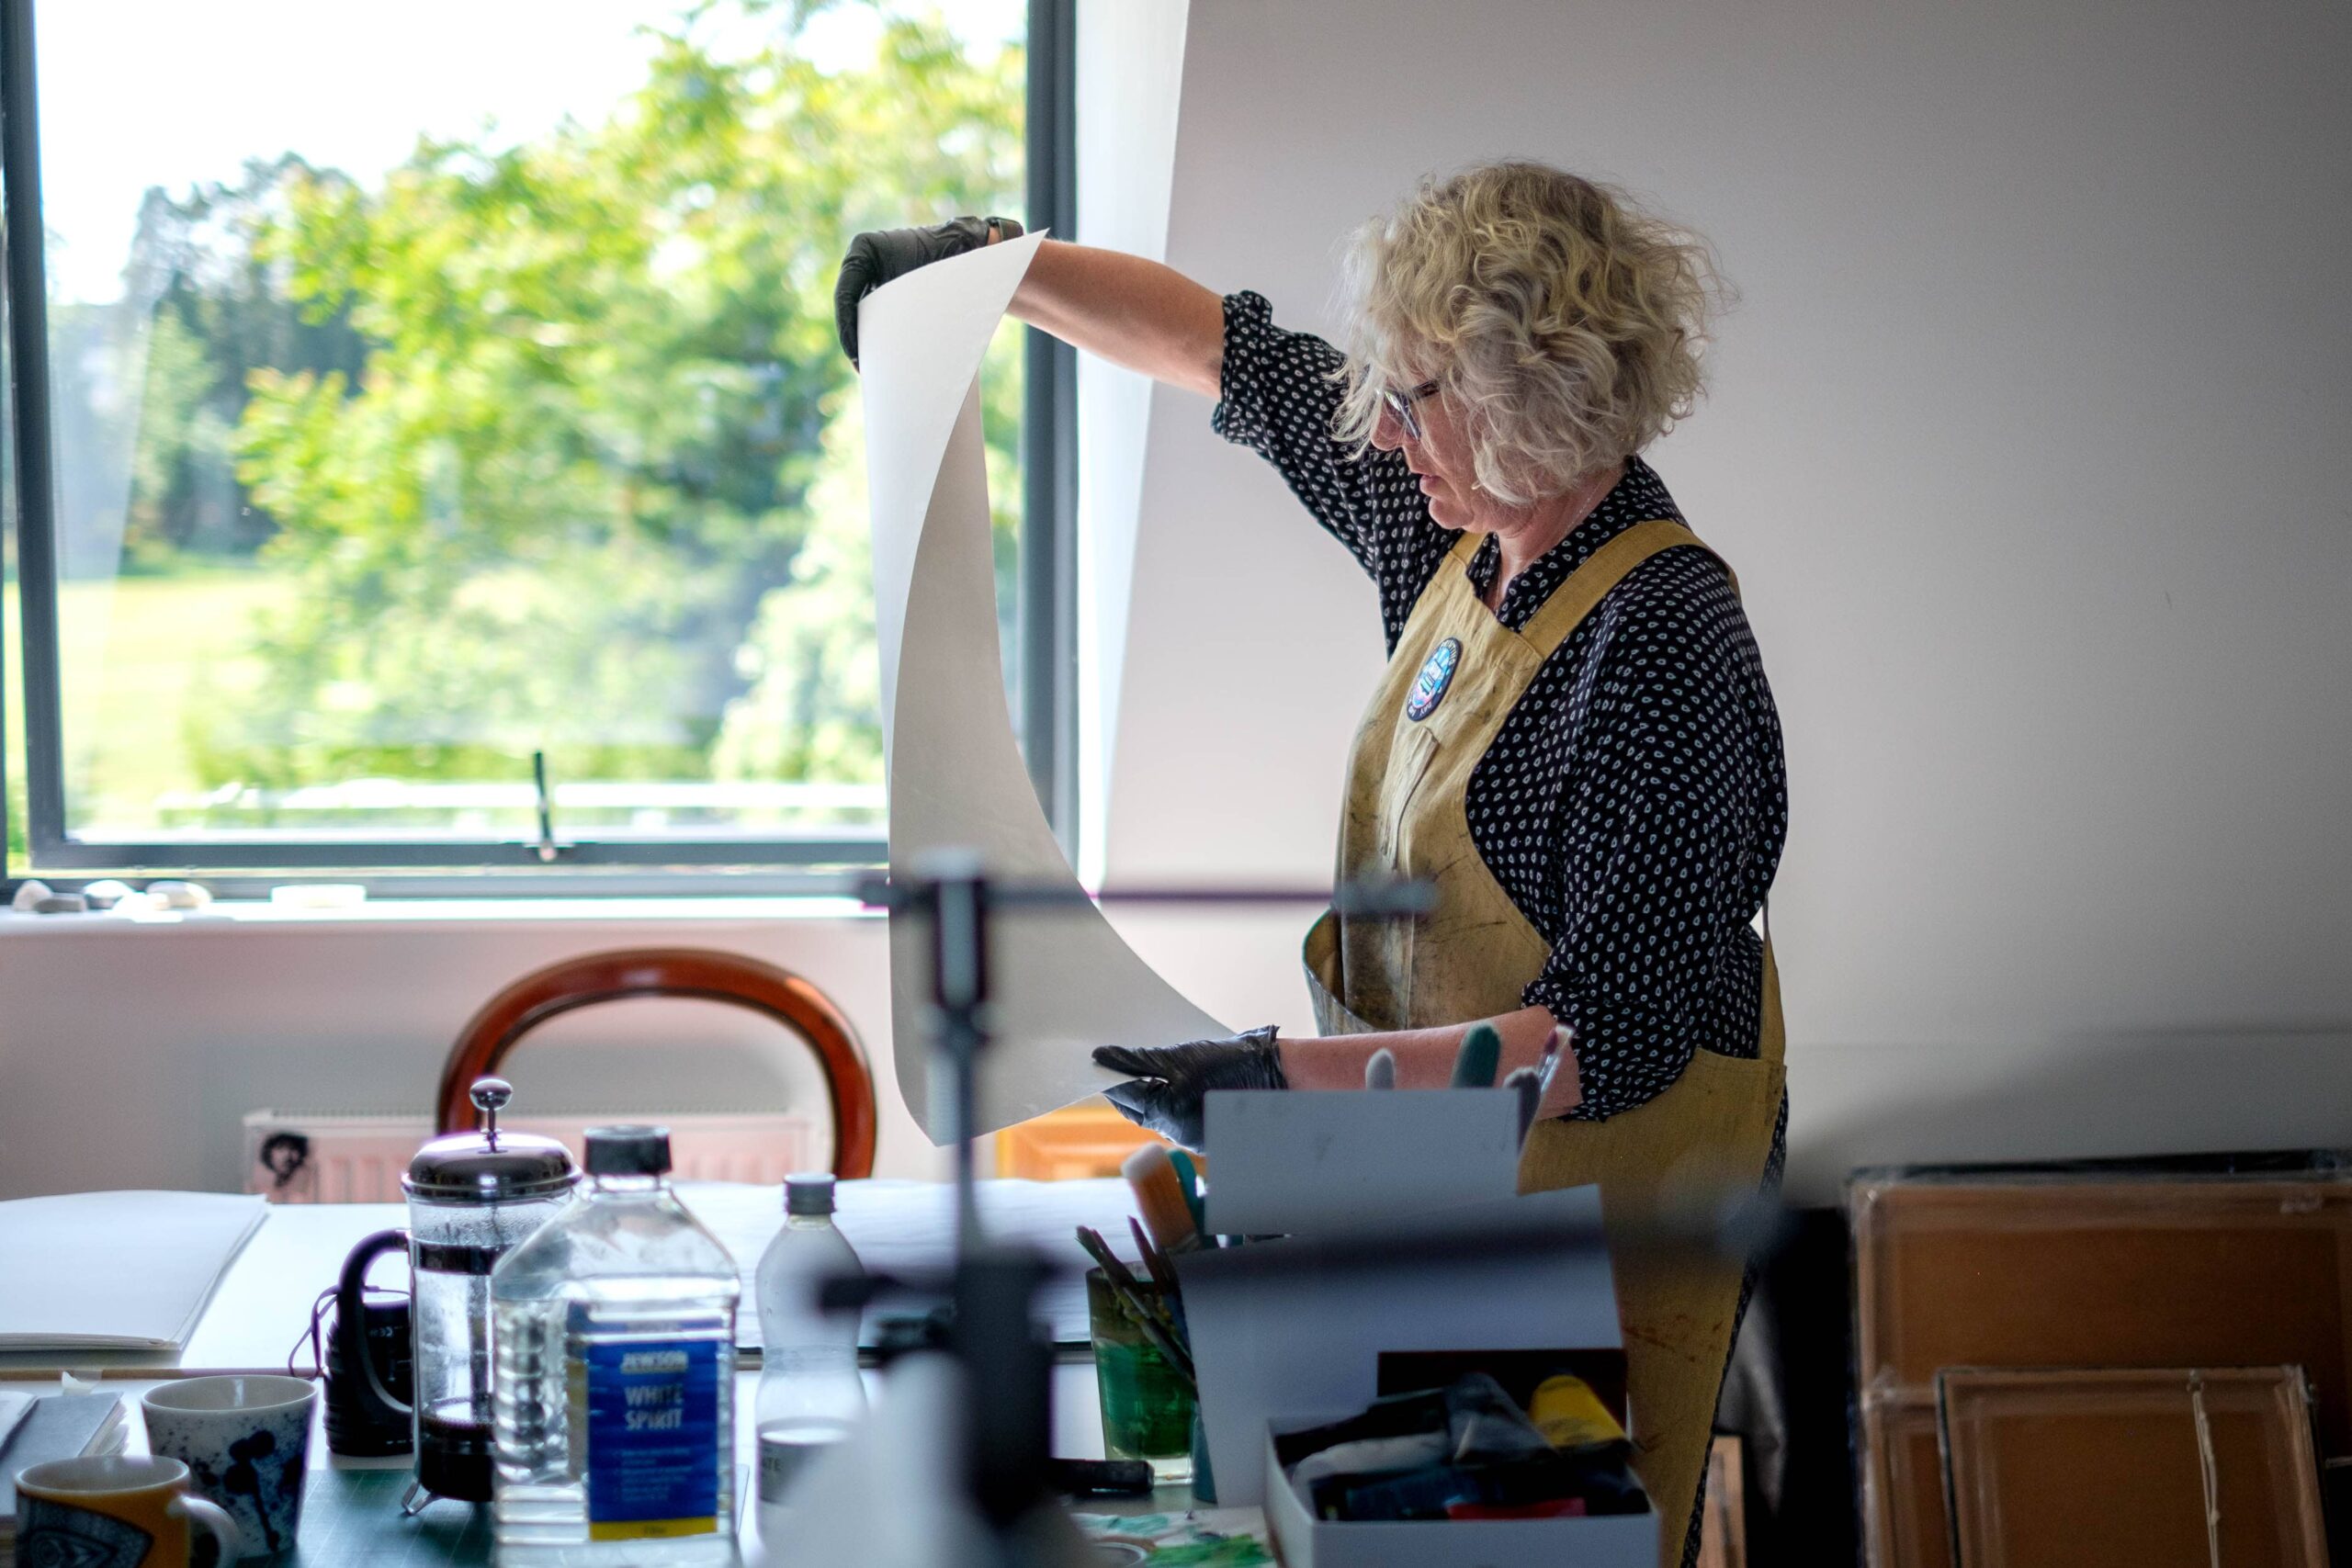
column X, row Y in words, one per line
column 877, row 256
column 1166, row 1082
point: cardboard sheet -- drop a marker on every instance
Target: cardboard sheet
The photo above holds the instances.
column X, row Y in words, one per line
column 1062, row 982
column 2035, row 1270
column 2128, row 1469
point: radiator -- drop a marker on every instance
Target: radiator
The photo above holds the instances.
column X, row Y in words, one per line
column 299, row 1157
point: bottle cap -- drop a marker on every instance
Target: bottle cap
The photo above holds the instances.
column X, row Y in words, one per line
column 808, row 1193
column 629, row 1151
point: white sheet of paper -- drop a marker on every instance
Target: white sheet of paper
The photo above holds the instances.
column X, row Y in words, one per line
column 115, row 1270
column 1061, row 982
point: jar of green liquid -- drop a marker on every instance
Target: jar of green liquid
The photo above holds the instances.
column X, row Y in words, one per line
column 1147, row 1405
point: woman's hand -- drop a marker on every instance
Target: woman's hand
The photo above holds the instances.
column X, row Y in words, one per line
column 1166, row 1082
column 878, row 256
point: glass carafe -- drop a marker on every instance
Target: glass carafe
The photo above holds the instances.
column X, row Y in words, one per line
column 472, row 1198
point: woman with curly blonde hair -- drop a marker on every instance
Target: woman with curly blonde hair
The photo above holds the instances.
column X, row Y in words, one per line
column 1574, row 742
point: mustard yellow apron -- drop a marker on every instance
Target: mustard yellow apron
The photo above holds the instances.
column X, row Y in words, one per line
column 1455, row 675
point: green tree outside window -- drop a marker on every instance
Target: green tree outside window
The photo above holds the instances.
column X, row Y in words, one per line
column 549, row 446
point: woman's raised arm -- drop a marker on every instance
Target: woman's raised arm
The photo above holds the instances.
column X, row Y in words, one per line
column 1133, row 312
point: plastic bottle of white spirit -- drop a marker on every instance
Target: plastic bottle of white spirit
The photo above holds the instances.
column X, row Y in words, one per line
column 612, row 1394
column 810, row 1393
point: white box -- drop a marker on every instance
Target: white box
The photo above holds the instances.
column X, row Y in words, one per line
column 1310, row 1161
column 1604, row 1540
column 1300, row 1323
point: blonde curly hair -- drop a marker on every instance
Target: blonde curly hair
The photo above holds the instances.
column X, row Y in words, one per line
column 1562, row 321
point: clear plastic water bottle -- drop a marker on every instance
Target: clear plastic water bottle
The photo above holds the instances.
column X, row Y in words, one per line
column 612, row 1402
column 810, row 1393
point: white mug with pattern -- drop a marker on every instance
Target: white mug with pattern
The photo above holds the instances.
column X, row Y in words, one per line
column 246, row 1442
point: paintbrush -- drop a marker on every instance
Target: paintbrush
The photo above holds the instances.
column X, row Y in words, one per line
column 1130, row 1296
column 1380, row 1069
column 1163, row 1274
column 1160, row 1199
column 1153, row 1261
column 1121, row 1278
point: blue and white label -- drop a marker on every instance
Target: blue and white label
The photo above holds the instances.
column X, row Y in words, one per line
column 1437, row 674
column 653, row 1458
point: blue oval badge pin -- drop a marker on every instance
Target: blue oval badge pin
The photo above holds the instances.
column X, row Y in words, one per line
column 1437, row 674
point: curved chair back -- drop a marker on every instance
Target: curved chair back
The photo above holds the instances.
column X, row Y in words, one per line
column 696, row 972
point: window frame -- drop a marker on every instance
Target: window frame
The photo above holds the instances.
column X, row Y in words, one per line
column 1046, row 639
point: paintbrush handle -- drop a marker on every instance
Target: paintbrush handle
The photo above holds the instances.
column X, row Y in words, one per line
column 1126, row 1286
column 1114, row 1269
column 1154, row 1261
column 1178, row 1359
column 1130, row 1296
column 1163, row 1274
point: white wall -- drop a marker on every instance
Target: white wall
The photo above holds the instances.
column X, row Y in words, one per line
column 2028, row 442
column 129, row 1053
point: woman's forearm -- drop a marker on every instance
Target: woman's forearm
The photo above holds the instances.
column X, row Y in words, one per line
column 1131, row 311
column 1425, row 1057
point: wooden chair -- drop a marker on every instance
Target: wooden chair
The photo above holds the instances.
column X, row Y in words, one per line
column 701, row 973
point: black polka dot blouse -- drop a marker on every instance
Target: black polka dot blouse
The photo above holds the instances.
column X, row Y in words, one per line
column 1634, row 802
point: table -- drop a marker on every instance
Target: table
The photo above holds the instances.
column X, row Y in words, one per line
column 351, row 1512
column 260, row 1312
column 259, row 1317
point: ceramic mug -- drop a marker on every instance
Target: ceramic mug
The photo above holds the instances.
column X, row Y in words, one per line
column 246, row 1441
column 116, row 1511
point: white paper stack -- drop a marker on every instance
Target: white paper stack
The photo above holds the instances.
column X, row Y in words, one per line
column 116, row 1271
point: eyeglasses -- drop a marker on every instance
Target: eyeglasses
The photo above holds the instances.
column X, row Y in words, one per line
column 1401, row 405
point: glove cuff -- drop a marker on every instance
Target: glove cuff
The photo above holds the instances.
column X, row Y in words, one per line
column 1263, row 1041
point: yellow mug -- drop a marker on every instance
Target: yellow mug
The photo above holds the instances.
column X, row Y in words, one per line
column 115, row 1511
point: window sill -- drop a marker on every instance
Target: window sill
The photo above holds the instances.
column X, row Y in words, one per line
column 706, row 910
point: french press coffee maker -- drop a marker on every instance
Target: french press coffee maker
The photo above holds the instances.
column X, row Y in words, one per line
column 472, row 1198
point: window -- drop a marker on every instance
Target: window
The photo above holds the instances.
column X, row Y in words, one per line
column 417, row 395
